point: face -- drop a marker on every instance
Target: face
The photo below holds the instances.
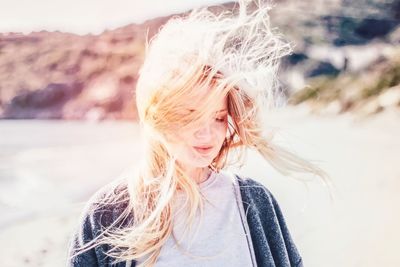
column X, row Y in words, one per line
column 197, row 146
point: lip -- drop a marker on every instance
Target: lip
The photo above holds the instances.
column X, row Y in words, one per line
column 203, row 149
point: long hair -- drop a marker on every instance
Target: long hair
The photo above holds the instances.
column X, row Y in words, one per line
column 236, row 53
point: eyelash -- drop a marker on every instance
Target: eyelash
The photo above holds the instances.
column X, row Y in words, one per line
column 220, row 120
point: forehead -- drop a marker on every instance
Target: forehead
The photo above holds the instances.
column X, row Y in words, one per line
column 221, row 101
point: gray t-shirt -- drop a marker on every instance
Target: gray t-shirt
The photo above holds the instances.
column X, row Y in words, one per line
column 219, row 238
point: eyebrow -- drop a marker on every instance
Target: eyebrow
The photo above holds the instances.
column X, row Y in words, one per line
column 221, row 110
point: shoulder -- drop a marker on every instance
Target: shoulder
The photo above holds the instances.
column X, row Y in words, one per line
column 106, row 205
column 109, row 196
column 254, row 191
column 259, row 202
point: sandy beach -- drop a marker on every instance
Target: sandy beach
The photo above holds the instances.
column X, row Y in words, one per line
column 49, row 169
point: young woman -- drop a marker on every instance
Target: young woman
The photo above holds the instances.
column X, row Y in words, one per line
column 201, row 93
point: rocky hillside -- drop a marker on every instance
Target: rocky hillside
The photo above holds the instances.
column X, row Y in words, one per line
column 346, row 58
column 54, row 75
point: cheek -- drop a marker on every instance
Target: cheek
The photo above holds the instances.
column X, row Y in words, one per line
column 180, row 151
column 180, row 148
column 221, row 132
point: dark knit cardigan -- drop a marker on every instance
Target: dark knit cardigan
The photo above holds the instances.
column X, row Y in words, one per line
column 272, row 242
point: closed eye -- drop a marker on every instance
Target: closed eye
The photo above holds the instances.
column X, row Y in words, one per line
column 221, row 119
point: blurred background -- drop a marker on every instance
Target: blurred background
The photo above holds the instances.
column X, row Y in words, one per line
column 68, row 71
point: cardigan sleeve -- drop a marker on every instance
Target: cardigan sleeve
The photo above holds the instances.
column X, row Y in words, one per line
column 293, row 252
column 82, row 235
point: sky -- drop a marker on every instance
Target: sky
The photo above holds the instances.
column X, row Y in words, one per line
column 86, row 16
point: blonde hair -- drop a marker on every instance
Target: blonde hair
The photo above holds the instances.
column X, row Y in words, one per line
column 236, row 53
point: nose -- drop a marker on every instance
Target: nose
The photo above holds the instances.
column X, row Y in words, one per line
column 203, row 132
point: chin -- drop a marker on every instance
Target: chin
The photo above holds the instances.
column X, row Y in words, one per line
column 194, row 160
column 199, row 162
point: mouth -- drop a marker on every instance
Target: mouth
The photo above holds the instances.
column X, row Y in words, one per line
column 203, row 149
